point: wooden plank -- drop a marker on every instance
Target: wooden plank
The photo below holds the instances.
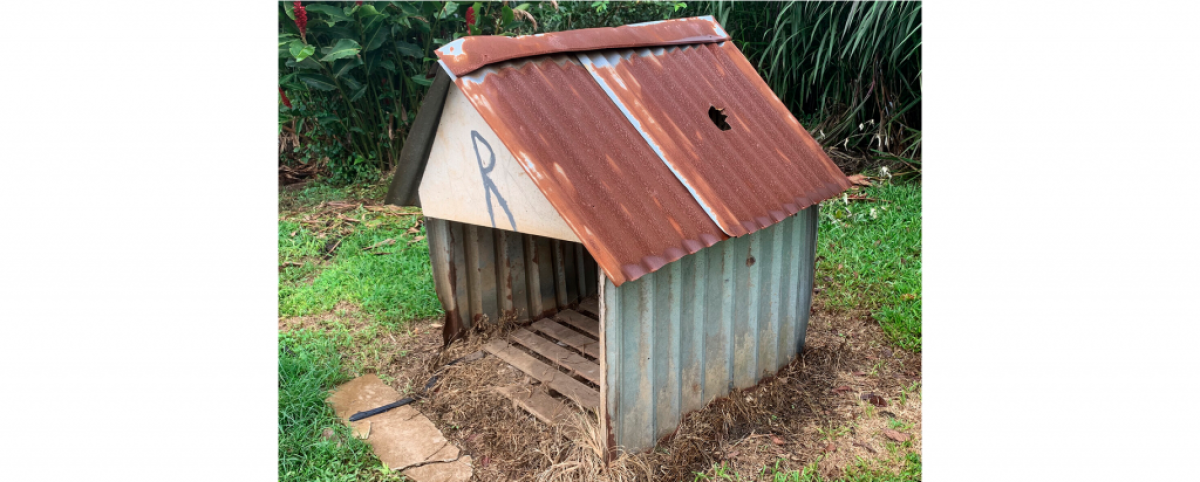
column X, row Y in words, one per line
column 572, row 338
column 588, row 325
column 570, row 360
column 590, row 307
column 537, row 402
column 558, row 381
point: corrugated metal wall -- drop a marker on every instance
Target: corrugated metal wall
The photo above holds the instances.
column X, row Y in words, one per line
column 714, row 321
column 480, row 271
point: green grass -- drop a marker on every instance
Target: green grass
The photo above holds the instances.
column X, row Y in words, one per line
column 313, row 444
column 860, row 472
column 392, row 288
column 870, row 258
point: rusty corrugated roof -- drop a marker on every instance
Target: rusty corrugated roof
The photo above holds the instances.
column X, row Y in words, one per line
column 764, row 168
column 622, row 145
column 624, row 204
column 467, row 54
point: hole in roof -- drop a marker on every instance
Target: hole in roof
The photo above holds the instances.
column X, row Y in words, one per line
column 718, row 117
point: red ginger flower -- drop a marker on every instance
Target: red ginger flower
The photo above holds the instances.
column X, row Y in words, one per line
column 470, row 18
column 301, row 17
column 358, row 4
column 285, row 99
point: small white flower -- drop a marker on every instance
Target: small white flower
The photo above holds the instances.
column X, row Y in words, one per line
column 873, row 215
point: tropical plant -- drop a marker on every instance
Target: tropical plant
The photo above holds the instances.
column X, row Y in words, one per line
column 850, row 70
column 354, row 73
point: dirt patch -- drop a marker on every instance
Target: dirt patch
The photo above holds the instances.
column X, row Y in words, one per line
column 851, row 395
column 347, row 315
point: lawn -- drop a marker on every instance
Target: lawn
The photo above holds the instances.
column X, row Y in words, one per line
column 869, row 258
column 354, row 275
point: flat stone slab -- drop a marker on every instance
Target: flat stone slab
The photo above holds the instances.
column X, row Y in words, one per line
column 402, row 438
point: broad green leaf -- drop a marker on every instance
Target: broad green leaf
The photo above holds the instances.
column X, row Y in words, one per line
column 333, row 32
column 407, row 8
column 448, row 10
column 288, row 10
column 506, row 15
column 351, row 84
column 342, row 49
column 335, row 14
column 367, row 10
column 344, row 66
column 357, row 95
column 317, row 81
column 372, row 60
column 300, row 51
column 376, row 32
column 478, row 12
column 410, row 49
column 388, row 66
column 349, row 11
column 523, row 6
column 420, row 79
column 308, row 63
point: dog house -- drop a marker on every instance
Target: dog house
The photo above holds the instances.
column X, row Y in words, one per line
column 639, row 197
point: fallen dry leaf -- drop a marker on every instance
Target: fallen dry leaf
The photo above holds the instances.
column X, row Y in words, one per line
column 875, row 399
column 894, row 435
column 416, row 239
column 414, row 230
column 841, row 389
column 386, row 242
column 776, row 440
column 829, row 448
column 859, row 179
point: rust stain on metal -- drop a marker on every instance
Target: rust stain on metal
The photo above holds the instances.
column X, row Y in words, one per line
column 764, row 168
column 652, row 152
column 623, row 203
column 467, row 54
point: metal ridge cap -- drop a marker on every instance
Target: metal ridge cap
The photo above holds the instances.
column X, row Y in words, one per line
column 455, row 57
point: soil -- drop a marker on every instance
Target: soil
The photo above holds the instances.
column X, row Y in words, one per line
column 818, row 409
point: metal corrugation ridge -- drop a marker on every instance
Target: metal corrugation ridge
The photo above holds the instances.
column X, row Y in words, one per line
column 610, row 187
column 467, row 54
column 764, row 168
column 713, row 322
column 484, row 273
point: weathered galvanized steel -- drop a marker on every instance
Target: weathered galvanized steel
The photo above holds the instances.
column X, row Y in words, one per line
column 483, row 272
column 467, row 54
column 472, row 178
column 757, row 168
column 710, row 323
column 619, row 199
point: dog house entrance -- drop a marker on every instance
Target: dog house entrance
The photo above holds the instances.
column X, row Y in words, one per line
column 561, row 352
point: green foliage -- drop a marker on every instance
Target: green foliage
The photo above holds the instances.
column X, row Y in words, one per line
column 313, row 444
column 357, row 76
column 850, row 70
column 869, row 258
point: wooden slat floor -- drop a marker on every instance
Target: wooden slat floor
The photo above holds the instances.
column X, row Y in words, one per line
column 564, row 345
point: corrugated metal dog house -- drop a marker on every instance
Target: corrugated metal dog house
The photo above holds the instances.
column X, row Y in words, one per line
column 638, row 193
